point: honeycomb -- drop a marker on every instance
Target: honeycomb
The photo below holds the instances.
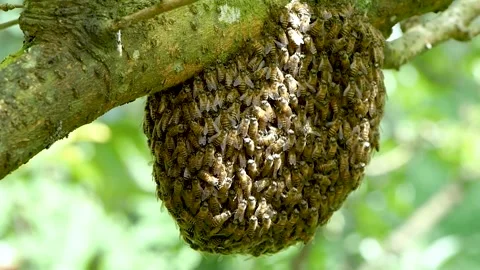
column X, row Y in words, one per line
column 252, row 155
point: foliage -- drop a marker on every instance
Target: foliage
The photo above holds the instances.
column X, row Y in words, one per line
column 88, row 202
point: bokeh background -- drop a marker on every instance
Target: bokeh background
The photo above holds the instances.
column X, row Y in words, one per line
column 88, row 202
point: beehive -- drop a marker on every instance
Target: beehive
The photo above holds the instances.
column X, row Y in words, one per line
column 253, row 155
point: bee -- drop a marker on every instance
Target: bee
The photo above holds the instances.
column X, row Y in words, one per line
column 294, row 20
column 361, row 108
column 312, row 220
column 203, row 102
column 310, row 104
column 242, row 160
column 252, row 226
column 181, row 153
column 253, row 128
column 249, row 146
column 267, row 166
column 163, row 123
column 292, row 157
column 194, row 110
column 243, row 127
column 324, row 64
column 312, row 79
column 338, row 44
column 357, row 68
column 266, row 224
column 188, row 219
column 364, row 129
column 332, row 147
column 292, row 65
column 344, row 60
column 242, row 81
column 261, row 208
column 232, row 199
column 226, row 184
column 219, row 139
column 202, row 212
column 362, row 153
column 235, row 111
column 297, row 178
column 211, row 80
column 252, row 168
column 375, row 139
column 268, row 110
column 378, row 57
column 309, row 44
column 282, row 38
column 351, row 90
column 229, row 77
column 170, row 143
column 293, row 196
column 209, row 156
column 198, row 86
column 318, row 149
column 255, row 63
column 245, row 181
column 322, row 91
column 304, row 208
column 350, row 47
column 317, row 28
column 258, row 48
column 284, row 57
column 240, row 213
column 215, row 206
column 208, row 178
column 344, row 166
column 294, row 217
column 251, row 205
column 218, row 166
column 219, row 219
column 274, row 74
column 304, row 65
column 335, row 27
column 271, row 191
column 225, row 121
column 293, row 101
column 300, row 144
column 221, row 70
column 277, row 164
column 328, row 166
column 283, row 19
column 261, row 116
column 334, row 126
column 175, row 130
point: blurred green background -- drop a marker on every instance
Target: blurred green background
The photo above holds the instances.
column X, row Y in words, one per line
column 88, row 202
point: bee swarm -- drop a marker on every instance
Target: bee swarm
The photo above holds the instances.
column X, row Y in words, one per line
column 252, row 156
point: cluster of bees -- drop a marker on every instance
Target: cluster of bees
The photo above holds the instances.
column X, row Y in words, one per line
column 251, row 156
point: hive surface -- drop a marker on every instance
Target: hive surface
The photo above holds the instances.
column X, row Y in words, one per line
column 251, row 156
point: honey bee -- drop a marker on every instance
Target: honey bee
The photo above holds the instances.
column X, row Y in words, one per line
column 181, row 153
column 294, row 217
column 163, row 123
column 375, row 139
column 266, row 224
column 304, row 65
column 324, row 64
column 361, row 108
column 229, row 77
column 218, row 166
column 378, row 57
column 274, row 74
column 364, row 129
column 309, row 44
column 332, row 147
column 284, row 56
column 252, row 168
column 211, row 80
column 293, row 63
column 293, row 20
column 242, row 81
column 283, row 19
column 219, row 139
column 350, row 44
column 251, row 205
column 318, row 149
column 258, row 48
column 357, row 68
column 328, row 166
column 252, row 226
column 293, row 196
column 317, row 28
column 351, row 90
column 208, row 178
column 292, row 157
column 322, row 91
column 253, row 128
column 219, row 219
column 312, row 220
column 261, row 208
column 203, row 102
column 198, row 86
column 255, row 62
column 261, row 116
column 344, row 60
column 214, row 204
column 300, row 144
column 232, row 199
column 249, row 146
column 335, row 27
column 267, row 166
column 188, row 219
column 310, row 104
column 209, row 156
column 170, row 143
column 277, row 164
column 242, row 160
column 334, row 126
column 240, row 213
column 245, row 181
column 338, row 44
column 243, row 127
column 235, row 111
column 362, row 153
column 202, row 212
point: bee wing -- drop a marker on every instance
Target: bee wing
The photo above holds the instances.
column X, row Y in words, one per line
column 237, row 81
column 248, row 81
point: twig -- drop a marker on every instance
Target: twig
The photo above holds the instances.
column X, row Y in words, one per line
column 7, row 7
column 455, row 22
column 422, row 220
column 149, row 12
column 8, row 24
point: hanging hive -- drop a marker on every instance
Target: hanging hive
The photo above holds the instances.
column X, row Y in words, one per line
column 253, row 155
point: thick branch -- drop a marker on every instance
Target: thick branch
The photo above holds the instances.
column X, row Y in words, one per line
column 8, row 24
column 73, row 73
column 455, row 22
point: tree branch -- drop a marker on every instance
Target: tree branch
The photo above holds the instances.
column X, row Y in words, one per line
column 7, row 7
column 8, row 24
column 73, row 73
column 455, row 22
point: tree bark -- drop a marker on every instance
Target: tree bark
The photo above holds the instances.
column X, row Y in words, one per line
column 70, row 70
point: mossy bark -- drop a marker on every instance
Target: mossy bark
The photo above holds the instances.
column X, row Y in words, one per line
column 71, row 72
